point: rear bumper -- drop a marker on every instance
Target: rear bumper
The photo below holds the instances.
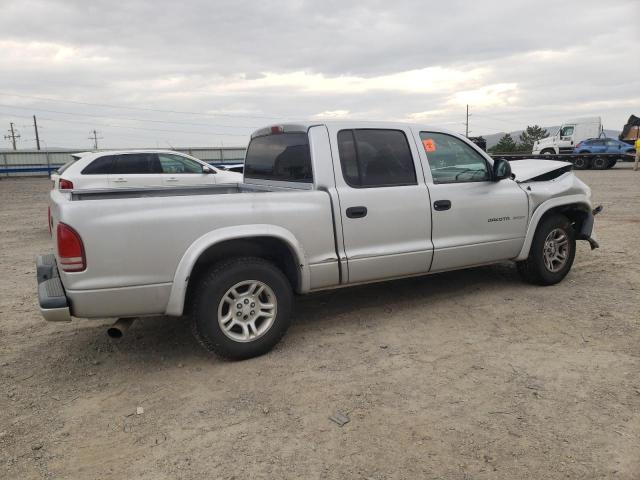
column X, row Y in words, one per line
column 54, row 304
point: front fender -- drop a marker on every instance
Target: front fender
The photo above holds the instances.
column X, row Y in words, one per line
column 175, row 305
column 577, row 199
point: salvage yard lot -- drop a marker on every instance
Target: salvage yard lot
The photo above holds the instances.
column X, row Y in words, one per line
column 464, row 375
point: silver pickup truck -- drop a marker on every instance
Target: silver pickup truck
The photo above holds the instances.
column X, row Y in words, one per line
column 322, row 205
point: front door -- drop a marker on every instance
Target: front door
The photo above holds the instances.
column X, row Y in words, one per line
column 384, row 204
column 566, row 136
column 475, row 220
column 182, row 171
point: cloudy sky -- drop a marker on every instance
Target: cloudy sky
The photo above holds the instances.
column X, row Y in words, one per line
column 206, row 73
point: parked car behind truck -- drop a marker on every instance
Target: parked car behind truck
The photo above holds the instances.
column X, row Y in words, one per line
column 138, row 168
column 322, row 205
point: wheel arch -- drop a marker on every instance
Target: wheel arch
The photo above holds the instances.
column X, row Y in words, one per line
column 265, row 241
column 576, row 207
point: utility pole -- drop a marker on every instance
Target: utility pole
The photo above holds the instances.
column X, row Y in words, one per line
column 94, row 136
column 13, row 135
column 466, row 124
column 35, row 127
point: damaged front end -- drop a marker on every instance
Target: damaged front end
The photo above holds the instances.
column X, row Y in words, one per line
column 551, row 185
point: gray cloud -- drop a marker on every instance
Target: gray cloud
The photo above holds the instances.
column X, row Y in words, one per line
column 516, row 63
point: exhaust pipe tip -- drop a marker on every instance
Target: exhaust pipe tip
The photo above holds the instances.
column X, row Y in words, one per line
column 118, row 329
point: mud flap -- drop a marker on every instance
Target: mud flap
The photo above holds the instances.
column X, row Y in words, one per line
column 586, row 231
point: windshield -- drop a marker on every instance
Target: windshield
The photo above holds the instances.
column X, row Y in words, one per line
column 74, row 158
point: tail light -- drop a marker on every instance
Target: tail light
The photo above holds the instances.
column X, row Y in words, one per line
column 49, row 218
column 578, row 144
column 65, row 185
column 70, row 249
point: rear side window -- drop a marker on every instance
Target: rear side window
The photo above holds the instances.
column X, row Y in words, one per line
column 66, row 165
column 137, row 163
column 376, row 158
column 280, row 157
column 100, row 166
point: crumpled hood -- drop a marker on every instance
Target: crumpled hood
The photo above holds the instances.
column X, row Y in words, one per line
column 527, row 169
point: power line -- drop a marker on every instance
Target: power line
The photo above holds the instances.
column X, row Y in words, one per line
column 35, row 127
column 95, row 138
column 140, row 108
column 125, row 118
column 143, row 128
column 12, row 135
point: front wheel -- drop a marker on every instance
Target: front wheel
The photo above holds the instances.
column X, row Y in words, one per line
column 552, row 252
column 242, row 308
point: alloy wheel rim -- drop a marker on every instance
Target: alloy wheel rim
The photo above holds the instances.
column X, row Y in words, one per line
column 247, row 311
column 556, row 250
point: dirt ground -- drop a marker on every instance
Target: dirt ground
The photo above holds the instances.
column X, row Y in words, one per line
column 466, row 375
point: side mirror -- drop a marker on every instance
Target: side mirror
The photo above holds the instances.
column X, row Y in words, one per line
column 207, row 169
column 501, row 169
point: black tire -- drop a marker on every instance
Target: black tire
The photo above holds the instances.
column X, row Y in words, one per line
column 612, row 163
column 599, row 163
column 215, row 283
column 533, row 269
column 581, row 163
column 548, row 151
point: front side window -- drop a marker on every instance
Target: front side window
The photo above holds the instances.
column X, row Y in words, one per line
column 177, row 164
column 451, row 160
column 137, row 163
column 282, row 157
column 612, row 143
column 376, row 158
column 100, row 166
column 566, row 131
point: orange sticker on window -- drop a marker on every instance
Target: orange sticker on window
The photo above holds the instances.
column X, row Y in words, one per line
column 429, row 145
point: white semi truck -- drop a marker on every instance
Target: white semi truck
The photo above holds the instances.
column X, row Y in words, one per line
column 569, row 135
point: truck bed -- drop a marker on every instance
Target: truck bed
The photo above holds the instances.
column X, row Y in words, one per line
column 143, row 192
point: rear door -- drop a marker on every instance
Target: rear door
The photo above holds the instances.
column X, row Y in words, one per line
column 178, row 170
column 136, row 170
column 475, row 220
column 96, row 173
column 598, row 146
column 384, row 203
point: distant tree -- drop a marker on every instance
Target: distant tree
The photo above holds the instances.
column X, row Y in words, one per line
column 529, row 136
column 505, row 145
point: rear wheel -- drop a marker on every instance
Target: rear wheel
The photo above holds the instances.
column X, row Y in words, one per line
column 242, row 308
column 548, row 151
column 552, row 252
column 600, row 163
column 581, row 163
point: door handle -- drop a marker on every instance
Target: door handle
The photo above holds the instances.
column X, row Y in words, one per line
column 442, row 205
column 119, row 180
column 356, row 212
column 172, row 179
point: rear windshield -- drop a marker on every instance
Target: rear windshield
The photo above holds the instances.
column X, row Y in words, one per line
column 281, row 157
column 73, row 160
